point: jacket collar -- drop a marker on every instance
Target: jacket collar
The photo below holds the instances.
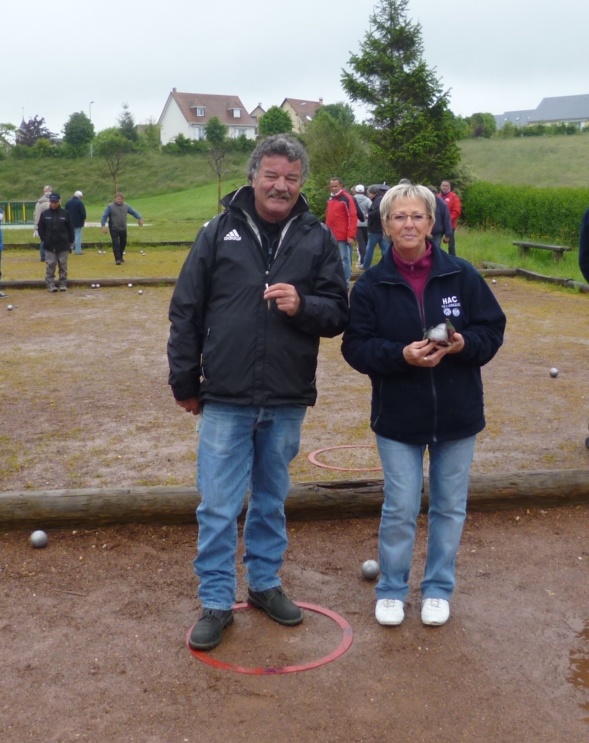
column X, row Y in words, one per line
column 443, row 263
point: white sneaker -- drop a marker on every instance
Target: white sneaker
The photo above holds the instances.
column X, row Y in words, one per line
column 435, row 612
column 389, row 612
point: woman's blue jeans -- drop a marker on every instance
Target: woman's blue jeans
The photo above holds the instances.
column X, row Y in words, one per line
column 240, row 449
column 449, row 468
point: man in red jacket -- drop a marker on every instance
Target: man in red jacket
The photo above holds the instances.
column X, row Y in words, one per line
column 342, row 219
column 455, row 208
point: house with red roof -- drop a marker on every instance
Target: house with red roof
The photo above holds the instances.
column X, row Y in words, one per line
column 301, row 112
column 189, row 113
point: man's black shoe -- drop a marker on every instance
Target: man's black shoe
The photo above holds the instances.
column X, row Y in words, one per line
column 206, row 633
column 277, row 605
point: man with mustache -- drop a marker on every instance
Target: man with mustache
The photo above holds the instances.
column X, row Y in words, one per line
column 262, row 283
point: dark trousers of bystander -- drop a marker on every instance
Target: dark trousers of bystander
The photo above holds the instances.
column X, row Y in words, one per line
column 452, row 243
column 119, row 243
column 361, row 240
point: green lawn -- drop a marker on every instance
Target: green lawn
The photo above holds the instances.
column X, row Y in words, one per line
column 477, row 246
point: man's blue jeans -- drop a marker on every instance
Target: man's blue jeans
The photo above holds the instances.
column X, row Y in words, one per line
column 78, row 240
column 375, row 238
column 449, row 468
column 345, row 252
column 240, row 449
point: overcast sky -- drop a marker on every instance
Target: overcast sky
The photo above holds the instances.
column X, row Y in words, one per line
column 59, row 58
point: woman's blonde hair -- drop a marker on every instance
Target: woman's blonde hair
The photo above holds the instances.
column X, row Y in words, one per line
column 408, row 191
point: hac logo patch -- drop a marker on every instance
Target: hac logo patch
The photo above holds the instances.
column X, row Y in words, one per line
column 451, row 306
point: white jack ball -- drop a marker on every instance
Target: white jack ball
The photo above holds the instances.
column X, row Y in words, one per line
column 554, row 372
column 9, row 307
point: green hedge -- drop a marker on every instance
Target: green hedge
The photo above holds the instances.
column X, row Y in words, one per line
column 545, row 214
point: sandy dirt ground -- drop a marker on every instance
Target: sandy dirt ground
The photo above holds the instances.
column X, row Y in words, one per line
column 92, row 628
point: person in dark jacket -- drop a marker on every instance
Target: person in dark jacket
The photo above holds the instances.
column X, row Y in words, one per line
column 584, row 246
column 375, row 233
column 422, row 323
column 77, row 211
column 57, row 235
column 454, row 205
column 442, row 229
column 262, row 283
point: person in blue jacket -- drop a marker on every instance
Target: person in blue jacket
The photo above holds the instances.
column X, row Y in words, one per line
column 422, row 324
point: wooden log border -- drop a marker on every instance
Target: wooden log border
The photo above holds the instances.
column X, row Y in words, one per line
column 90, row 508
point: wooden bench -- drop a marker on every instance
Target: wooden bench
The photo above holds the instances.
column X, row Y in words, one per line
column 558, row 250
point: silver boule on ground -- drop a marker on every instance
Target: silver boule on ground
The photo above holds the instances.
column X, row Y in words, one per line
column 39, row 538
column 370, row 569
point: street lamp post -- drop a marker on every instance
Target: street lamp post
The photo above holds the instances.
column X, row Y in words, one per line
column 90, row 117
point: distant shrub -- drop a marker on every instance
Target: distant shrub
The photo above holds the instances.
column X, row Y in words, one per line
column 546, row 214
column 181, row 146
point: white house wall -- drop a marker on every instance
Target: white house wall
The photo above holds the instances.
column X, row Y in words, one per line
column 173, row 123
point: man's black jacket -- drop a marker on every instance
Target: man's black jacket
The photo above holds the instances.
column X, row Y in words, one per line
column 227, row 343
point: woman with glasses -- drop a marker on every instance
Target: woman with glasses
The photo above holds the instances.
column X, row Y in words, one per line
column 422, row 324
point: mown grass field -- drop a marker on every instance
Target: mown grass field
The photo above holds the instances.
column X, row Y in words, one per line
column 529, row 161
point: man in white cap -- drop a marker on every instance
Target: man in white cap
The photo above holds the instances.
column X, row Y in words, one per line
column 77, row 211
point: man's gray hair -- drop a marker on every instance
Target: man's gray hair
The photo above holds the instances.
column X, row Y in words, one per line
column 278, row 144
column 408, row 191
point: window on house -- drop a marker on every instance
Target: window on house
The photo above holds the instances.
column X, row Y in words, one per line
column 237, row 113
column 200, row 110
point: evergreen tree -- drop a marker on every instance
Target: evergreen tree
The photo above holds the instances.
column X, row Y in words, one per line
column 413, row 130
column 126, row 124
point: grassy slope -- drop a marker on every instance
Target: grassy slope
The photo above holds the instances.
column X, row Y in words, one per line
column 529, row 161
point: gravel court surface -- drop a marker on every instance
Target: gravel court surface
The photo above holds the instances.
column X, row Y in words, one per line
column 92, row 627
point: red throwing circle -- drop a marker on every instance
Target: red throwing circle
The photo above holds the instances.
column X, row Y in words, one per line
column 346, row 641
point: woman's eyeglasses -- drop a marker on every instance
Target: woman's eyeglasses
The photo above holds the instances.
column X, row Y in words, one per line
column 400, row 219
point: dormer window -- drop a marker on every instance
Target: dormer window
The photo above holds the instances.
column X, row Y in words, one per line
column 237, row 113
column 200, row 110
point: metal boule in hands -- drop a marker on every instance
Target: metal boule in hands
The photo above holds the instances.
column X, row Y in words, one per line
column 441, row 334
